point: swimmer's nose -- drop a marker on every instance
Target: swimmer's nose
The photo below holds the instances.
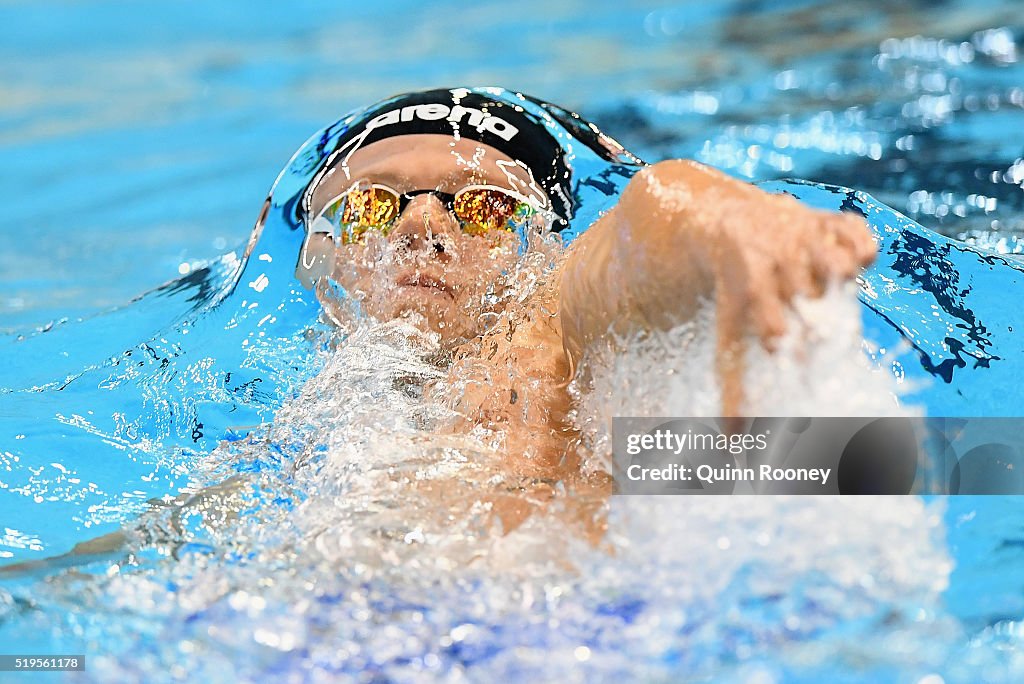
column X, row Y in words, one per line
column 425, row 226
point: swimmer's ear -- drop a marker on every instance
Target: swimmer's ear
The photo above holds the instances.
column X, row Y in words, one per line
column 316, row 258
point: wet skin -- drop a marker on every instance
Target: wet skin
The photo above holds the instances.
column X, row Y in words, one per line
column 682, row 234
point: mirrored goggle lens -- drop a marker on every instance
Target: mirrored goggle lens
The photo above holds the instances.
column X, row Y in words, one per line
column 361, row 209
column 483, row 209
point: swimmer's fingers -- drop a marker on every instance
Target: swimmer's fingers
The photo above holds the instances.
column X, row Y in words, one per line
column 844, row 247
column 850, row 235
column 854, row 231
column 792, row 253
column 801, row 268
column 831, row 262
column 769, row 318
column 753, row 299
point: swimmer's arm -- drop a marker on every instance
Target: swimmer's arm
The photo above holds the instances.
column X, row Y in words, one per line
column 683, row 234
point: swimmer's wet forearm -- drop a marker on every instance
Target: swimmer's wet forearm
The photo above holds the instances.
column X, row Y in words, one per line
column 684, row 233
column 640, row 266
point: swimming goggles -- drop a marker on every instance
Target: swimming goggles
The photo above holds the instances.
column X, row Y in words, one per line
column 479, row 209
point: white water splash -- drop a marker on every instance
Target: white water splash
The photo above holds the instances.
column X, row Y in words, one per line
column 372, row 547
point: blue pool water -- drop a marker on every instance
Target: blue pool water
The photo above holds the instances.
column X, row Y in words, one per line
column 136, row 145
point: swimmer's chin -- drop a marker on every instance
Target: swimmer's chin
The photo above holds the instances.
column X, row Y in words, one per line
column 438, row 314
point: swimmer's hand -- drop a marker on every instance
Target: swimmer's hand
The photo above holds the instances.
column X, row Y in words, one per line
column 684, row 233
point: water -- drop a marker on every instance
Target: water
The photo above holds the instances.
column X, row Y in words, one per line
column 324, row 547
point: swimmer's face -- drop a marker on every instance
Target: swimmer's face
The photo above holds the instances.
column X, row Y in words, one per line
column 426, row 264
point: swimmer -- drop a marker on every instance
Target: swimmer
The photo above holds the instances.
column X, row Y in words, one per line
column 413, row 215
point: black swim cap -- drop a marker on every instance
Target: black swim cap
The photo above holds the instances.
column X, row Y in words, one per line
column 493, row 116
